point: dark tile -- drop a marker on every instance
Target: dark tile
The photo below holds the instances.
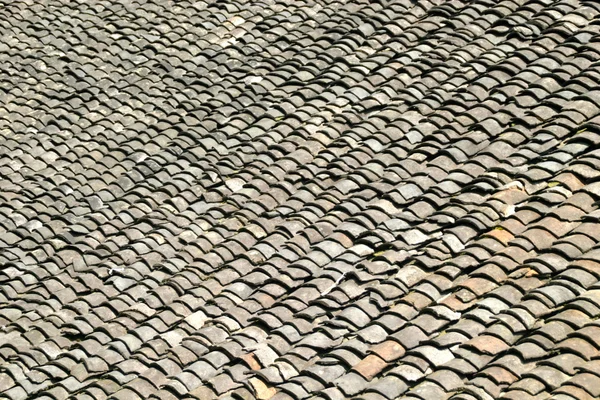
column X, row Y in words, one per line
column 251, row 202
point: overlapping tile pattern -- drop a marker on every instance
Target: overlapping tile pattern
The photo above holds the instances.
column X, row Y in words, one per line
column 299, row 199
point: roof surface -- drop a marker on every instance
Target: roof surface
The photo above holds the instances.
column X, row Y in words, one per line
column 299, row 199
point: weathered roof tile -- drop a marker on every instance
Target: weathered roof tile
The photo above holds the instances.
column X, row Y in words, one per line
column 251, row 202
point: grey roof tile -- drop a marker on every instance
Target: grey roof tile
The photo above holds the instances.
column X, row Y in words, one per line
column 236, row 201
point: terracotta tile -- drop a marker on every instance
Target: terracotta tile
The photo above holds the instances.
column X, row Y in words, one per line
column 501, row 235
column 488, row 344
column 389, row 350
column 251, row 360
column 262, row 391
column 370, row 366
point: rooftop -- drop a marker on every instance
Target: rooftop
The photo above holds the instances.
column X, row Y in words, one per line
column 299, row 199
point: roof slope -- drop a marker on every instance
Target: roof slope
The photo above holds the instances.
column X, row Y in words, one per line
column 299, row 199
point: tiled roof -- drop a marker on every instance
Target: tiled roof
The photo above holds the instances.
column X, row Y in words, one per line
column 299, row 199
